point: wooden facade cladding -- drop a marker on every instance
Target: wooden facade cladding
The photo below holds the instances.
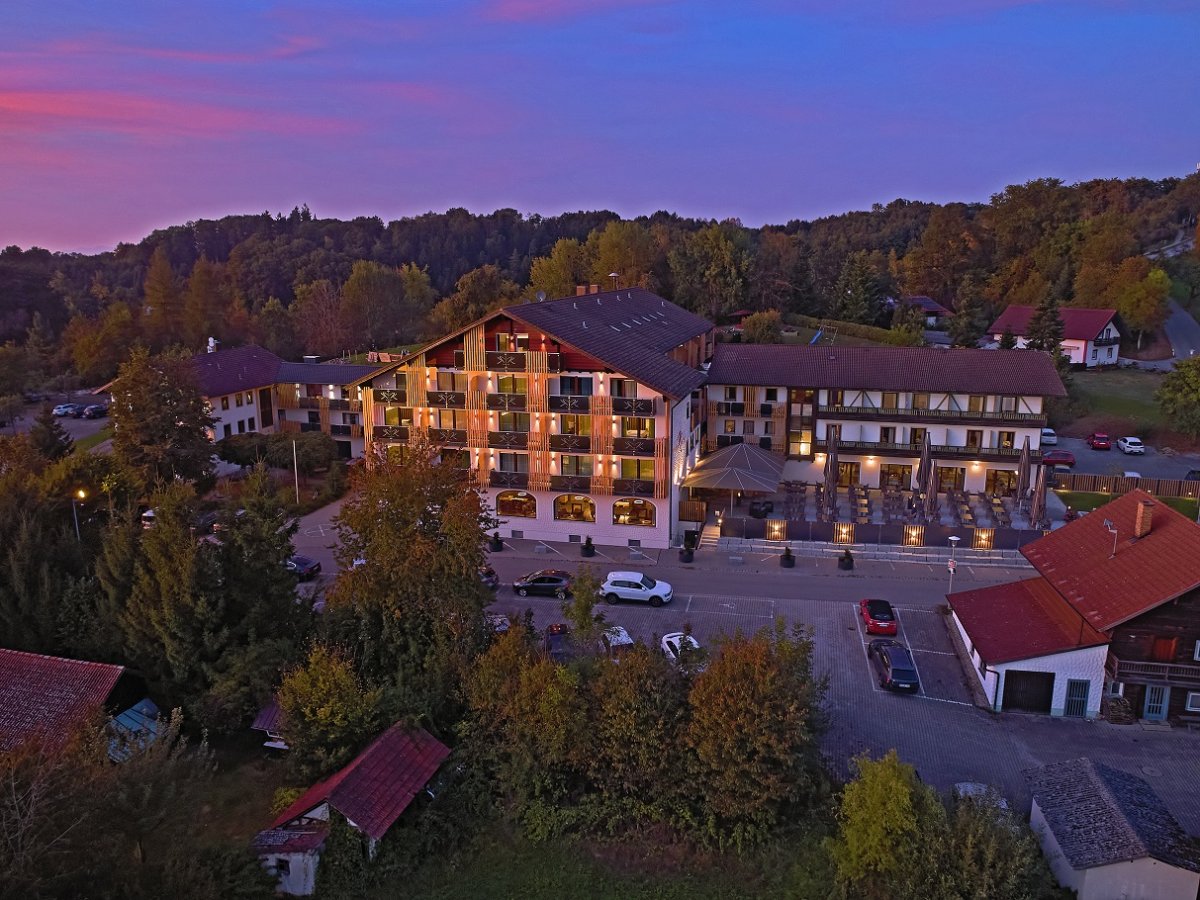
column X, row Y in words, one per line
column 602, row 484
column 539, row 390
column 662, row 467
column 474, row 350
column 1174, row 626
column 602, row 436
column 539, row 470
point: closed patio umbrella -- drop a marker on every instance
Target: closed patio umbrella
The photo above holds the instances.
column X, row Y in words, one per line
column 1023, row 472
column 1037, row 506
column 831, row 467
column 931, row 495
column 925, row 465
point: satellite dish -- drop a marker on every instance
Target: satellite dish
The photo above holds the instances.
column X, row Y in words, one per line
column 541, row 296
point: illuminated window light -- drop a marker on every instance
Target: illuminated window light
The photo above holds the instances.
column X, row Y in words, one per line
column 984, row 538
column 843, row 534
column 914, row 535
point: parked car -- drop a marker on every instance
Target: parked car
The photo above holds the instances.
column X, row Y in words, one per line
column 620, row 586
column 681, row 648
column 222, row 524
column 1098, row 440
column 63, row 409
column 1059, row 458
column 547, row 582
column 488, row 576
column 1131, row 474
column 1192, row 475
column 203, row 523
column 1049, row 437
column 614, row 642
column 556, row 643
column 1054, row 479
column 77, row 410
column 498, row 622
column 1131, row 446
column 303, row 568
column 95, row 411
column 878, row 616
column 894, row 665
column 148, row 519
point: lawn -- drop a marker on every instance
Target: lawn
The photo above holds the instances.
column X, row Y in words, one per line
column 499, row 866
column 804, row 335
column 94, row 440
column 1122, row 397
column 1086, row 502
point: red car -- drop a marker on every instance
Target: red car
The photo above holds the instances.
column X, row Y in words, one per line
column 1099, row 441
column 1058, row 458
column 878, row 616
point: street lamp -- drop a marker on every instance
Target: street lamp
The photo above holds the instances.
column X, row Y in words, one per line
column 78, row 497
column 614, row 276
column 952, row 565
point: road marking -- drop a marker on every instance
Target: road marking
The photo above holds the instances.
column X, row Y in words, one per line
column 937, row 652
column 688, row 608
column 875, row 688
column 548, row 547
column 920, row 680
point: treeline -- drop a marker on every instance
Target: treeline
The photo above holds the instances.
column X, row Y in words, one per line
column 296, row 283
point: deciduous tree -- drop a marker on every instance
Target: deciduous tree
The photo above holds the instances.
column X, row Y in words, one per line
column 763, row 328
column 559, row 273
column 857, row 296
column 1179, row 396
column 709, row 270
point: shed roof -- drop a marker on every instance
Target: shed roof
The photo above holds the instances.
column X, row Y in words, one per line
column 377, row 786
column 1109, row 588
column 1022, row 620
column 887, row 368
column 1078, row 324
column 1100, row 815
column 45, row 696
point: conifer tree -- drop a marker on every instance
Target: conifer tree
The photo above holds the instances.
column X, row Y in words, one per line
column 49, row 438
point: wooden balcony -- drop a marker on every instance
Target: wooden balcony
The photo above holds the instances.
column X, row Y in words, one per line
column 623, row 446
column 448, row 437
column 907, row 414
column 1139, row 672
column 390, row 396
column 633, row 487
column 508, row 479
column 447, row 399
column 570, row 443
column 517, row 402
column 577, row 484
column 940, row 451
column 634, row 406
column 508, row 440
column 569, row 403
column 390, row 432
column 1106, row 341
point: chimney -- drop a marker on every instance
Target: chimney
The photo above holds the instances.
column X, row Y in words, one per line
column 1141, row 525
column 594, row 288
column 580, row 290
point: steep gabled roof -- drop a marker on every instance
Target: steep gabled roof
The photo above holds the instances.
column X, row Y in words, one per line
column 45, row 696
column 322, row 373
column 377, row 786
column 237, row 369
column 1022, row 620
column 1100, row 816
column 631, row 331
column 1078, row 324
column 887, row 368
column 1106, row 588
column 930, row 306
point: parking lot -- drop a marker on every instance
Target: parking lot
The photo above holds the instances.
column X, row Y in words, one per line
column 923, row 632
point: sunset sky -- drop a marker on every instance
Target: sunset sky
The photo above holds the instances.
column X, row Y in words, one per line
column 116, row 119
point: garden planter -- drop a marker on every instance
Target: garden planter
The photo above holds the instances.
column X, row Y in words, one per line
column 787, row 562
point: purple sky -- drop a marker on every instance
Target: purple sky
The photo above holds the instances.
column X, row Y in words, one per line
column 118, row 118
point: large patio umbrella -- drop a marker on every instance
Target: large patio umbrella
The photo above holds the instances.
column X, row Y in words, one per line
column 1023, row 472
column 740, row 467
column 1037, row 506
column 740, row 456
column 931, row 495
column 831, row 467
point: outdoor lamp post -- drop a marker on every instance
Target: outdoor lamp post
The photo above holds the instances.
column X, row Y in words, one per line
column 78, row 497
column 952, row 565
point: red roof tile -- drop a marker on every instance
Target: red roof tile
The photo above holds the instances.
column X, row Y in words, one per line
column 47, row 695
column 377, row 786
column 886, row 368
column 1108, row 588
column 1021, row 620
column 1078, row 324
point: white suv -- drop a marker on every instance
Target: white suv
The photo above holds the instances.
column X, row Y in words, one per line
column 1131, row 445
column 635, row 586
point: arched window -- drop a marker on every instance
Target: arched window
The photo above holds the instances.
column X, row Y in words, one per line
column 633, row 511
column 574, row 508
column 516, row 504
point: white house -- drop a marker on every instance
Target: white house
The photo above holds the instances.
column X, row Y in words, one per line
column 1091, row 337
column 1106, row 834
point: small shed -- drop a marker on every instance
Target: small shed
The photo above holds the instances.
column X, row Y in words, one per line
column 1107, row 834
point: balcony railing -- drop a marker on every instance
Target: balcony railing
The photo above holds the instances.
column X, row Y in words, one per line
column 507, row 401
column 448, row 436
column 1152, row 672
column 508, row 440
column 569, row 403
column 510, row 361
column 508, row 479
column 578, row 484
column 881, row 448
column 340, row 430
column 310, row 426
column 570, row 443
column 391, row 432
column 634, row 406
column 635, row 487
column 624, row 446
column 447, row 399
column 310, row 402
column 1107, row 341
column 394, row 397
column 339, row 404
column 906, row 413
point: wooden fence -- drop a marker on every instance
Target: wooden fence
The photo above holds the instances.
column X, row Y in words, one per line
column 1118, row 485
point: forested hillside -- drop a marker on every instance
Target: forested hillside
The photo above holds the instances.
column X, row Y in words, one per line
column 297, row 283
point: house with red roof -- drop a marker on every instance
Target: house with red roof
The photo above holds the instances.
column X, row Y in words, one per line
column 935, row 314
column 1091, row 337
column 370, row 793
column 1114, row 610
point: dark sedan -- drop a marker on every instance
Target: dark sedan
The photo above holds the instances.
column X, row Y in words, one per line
column 547, row 583
column 894, row 666
column 557, row 644
column 303, row 568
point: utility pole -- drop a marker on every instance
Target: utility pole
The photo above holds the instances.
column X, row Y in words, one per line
column 296, row 471
column 952, row 565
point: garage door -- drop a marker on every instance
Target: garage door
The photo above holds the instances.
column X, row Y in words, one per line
column 1028, row 691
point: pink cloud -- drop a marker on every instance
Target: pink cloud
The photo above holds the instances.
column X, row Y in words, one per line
column 105, row 45
column 130, row 114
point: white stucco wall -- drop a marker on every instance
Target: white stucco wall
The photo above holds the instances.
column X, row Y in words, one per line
column 301, row 878
column 546, row 528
